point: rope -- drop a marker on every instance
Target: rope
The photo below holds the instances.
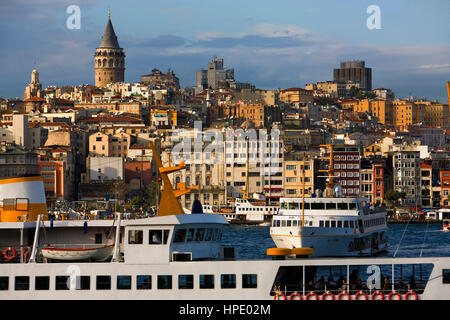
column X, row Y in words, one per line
column 424, row 238
column 404, row 231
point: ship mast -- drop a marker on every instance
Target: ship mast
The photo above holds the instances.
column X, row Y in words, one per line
column 330, row 170
column 303, row 192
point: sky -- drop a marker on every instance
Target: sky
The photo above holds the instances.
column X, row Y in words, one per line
column 271, row 44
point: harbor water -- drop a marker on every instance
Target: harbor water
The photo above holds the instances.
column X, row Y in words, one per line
column 413, row 240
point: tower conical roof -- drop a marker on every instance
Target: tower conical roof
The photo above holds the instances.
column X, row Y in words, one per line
column 109, row 39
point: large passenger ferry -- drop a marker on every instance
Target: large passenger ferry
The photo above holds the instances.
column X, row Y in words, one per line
column 179, row 256
column 332, row 226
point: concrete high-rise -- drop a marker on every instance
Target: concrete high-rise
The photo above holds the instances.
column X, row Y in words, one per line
column 216, row 76
column 354, row 71
column 109, row 59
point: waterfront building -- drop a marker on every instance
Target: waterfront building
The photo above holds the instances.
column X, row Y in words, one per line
column 16, row 162
column 406, row 168
column 294, row 173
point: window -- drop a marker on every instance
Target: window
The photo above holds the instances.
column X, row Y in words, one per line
column 317, row 206
column 228, row 281
column 123, row 282
column 342, row 206
column 180, row 235
column 22, row 283
column 62, row 282
column 200, row 234
column 156, row 236
column 208, row 235
column 206, row 281
column 83, row 282
column 190, row 235
column 331, row 206
column 4, row 283
column 352, row 206
column 327, row 223
column 249, row 281
column 135, row 236
column 103, row 282
column 98, row 238
column 445, row 275
column 333, row 224
column 185, row 281
column 164, row 282
column 42, row 283
column 345, row 224
column 143, row 282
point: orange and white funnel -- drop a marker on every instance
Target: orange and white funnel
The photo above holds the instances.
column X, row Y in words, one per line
column 22, row 199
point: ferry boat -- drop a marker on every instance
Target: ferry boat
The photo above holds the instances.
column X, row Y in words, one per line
column 179, row 256
column 332, row 226
column 249, row 211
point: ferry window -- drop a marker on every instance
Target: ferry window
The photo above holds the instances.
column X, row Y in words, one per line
column 228, row 281
column 249, row 281
column 185, row 281
column 208, row 235
column 164, row 282
column 83, row 282
column 190, row 235
column 103, row 283
column 156, row 236
column 331, row 206
column 98, row 238
column 295, row 223
column 342, row 206
column 352, row 206
column 62, row 282
column 123, row 282
column 293, row 205
column 327, row 223
column 22, row 283
column 288, row 223
column 445, row 275
column 219, row 234
column 321, row 224
column 283, row 223
column 339, row 224
column 345, row 224
column 200, row 234
column 135, row 236
column 284, row 205
column 143, row 282
column 352, row 225
column 4, row 283
column 317, row 206
column 180, row 235
column 206, row 281
column 42, row 283
column 307, row 206
column 333, row 224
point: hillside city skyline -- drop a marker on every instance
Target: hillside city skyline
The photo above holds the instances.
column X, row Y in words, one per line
column 265, row 53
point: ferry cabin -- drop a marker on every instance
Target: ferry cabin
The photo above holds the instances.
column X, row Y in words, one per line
column 331, row 226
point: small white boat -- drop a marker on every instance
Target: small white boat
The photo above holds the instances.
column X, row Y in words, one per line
column 446, row 225
column 75, row 254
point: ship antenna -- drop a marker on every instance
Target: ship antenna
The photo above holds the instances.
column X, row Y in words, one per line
column 303, row 192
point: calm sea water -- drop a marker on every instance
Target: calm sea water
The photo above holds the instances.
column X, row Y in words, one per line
column 251, row 242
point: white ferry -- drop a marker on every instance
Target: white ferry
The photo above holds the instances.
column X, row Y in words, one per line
column 251, row 211
column 179, row 256
column 331, row 226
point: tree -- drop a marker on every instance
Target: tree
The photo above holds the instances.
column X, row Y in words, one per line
column 154, row 193
column 393, row 196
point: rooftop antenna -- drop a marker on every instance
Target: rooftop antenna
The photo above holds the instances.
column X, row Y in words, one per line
column 109, row 13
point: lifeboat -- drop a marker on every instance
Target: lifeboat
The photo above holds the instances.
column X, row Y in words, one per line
column 76, row 254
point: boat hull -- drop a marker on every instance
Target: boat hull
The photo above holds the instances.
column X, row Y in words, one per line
column 78, row 254
column 329, row 244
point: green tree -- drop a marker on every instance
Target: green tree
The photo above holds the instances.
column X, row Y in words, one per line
column 393, row 196
column 154, row 193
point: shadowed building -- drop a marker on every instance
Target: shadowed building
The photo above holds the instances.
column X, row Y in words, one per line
column 109, row 59
column 354, row 71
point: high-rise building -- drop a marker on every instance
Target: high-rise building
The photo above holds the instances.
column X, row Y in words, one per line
column 354, row 71
column 109, row 59
column 216, row 76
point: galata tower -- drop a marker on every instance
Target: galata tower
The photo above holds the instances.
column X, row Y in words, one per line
column 109, row 58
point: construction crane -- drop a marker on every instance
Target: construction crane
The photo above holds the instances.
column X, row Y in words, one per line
column 448, row 92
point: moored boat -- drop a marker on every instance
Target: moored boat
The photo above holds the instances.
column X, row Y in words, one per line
column 101, row 253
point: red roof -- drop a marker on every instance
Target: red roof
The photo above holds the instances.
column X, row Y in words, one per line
column 35, row 99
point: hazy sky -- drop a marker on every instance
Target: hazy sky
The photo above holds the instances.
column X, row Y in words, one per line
column 272, row 44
